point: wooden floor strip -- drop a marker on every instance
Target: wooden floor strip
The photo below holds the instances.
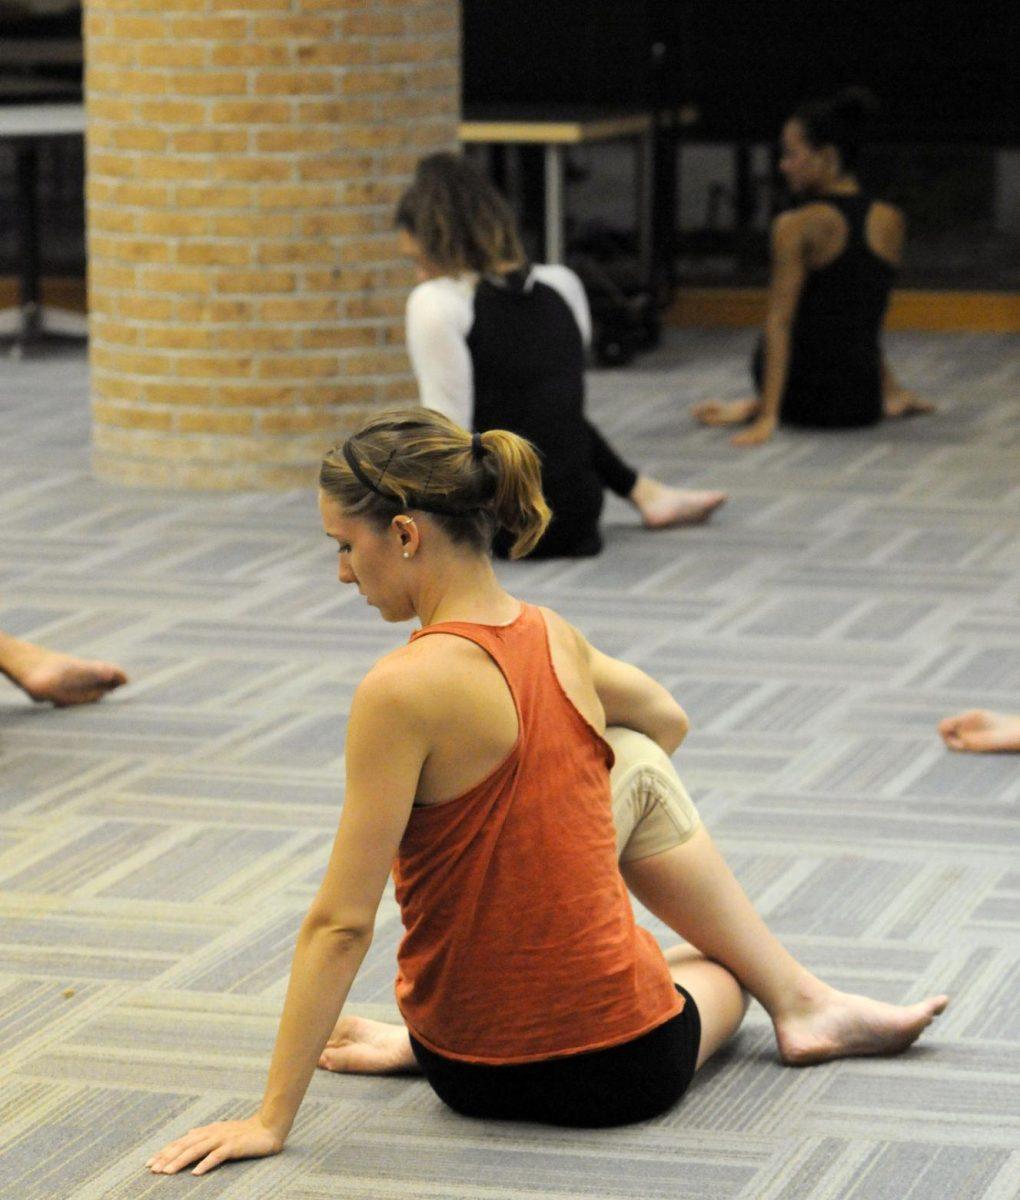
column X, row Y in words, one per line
column 923, row 311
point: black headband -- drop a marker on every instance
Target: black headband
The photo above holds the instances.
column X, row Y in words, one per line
column 411, row 502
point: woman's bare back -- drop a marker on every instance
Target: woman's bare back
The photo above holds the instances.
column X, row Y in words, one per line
column 473, row 721
column 825, row 232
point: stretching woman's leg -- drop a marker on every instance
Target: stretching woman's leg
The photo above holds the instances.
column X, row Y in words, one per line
column 615, row 474
column 653, row 814
column 361, row 1046
column 692, row 890
column 658, row 504
column 673, row 867
column 897, row 401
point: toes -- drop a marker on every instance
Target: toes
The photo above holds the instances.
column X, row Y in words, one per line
column 981, row 741
column 86, row 697
column 707, row 414
column 686, row 509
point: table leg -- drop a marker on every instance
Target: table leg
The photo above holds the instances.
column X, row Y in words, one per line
column 645, row 165
column 743, row 188
column 28, row 240
column 553, row 203
column 31, row 334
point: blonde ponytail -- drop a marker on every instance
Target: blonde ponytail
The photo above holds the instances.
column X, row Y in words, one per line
column 518, row 505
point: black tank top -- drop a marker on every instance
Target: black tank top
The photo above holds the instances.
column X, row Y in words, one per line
column 527, row 358
column 835, row 369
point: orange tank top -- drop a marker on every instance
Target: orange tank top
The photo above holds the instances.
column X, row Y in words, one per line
column 520, row 943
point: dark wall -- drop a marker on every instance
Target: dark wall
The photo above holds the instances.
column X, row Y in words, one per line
column 944, row 69
column 60, row 177
column 563, row 51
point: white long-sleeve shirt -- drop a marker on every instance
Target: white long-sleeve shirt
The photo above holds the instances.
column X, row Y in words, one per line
column 440, row 313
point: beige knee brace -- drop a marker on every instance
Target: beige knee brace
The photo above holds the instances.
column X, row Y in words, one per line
column 651, row 809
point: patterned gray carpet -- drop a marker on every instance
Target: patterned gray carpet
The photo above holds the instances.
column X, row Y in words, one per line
column 157, row 851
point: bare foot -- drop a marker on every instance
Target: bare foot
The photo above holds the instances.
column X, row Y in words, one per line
column 661, row 506
column 900, row 402
column 758, row 432
column 361, row 1046
column 61, row 679
column 981, row 731
column 840, row 1025
column 726, row 412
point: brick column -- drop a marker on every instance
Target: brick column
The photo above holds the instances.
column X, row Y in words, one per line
column 243, row 160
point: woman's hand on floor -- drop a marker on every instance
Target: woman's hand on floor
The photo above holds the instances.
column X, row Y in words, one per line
column 760, row 431
column 215, row 1144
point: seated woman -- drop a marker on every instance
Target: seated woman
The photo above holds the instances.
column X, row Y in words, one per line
column 834, row 260
column 498, row 344
column 478, row 770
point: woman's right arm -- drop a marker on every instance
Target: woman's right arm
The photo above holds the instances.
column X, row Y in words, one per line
column 636, row 701
column 789, row 271
column 387, row 742
column 438, row 319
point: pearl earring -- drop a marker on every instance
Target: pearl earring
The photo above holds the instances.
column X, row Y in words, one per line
column 407, row 553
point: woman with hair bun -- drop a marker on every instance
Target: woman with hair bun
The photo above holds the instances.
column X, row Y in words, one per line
column 517, row 782
column 498, row 343
column 819, row 363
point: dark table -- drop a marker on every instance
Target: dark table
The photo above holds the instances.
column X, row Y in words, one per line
column 26, row 127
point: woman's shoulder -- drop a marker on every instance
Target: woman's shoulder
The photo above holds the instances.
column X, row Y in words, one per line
column 415, row 662
column 570, row 288
column 446, row 298
column 829, row 208
column 804, row 216
column 819, row 222
column 562, row 278
column 807, row 228
column 888, row 213
column 564, row 635
column 405, row 678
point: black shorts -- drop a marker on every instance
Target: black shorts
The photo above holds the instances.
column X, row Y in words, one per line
column 631, row 1082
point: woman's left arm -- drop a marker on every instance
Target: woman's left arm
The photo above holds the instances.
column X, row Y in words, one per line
column 386, row 747
column 789, row 271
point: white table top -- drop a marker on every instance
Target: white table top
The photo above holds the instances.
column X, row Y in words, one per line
column 552, row 130
column 41, row 120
